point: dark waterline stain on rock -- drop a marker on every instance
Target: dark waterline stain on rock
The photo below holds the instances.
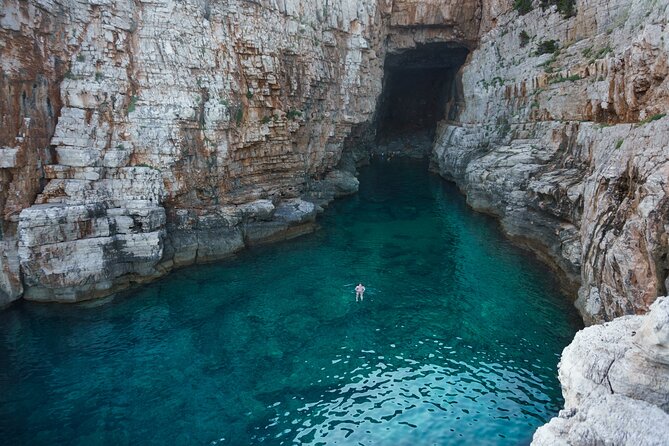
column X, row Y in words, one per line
column 457, row 339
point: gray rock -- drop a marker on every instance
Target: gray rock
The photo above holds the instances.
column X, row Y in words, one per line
column 261, row 210
column 11, row 287
column 653, row 335
column 615, row 390
column 218, row 244
column 606, row 420
column 295, row 211
column 8, row 157
column 342, row 182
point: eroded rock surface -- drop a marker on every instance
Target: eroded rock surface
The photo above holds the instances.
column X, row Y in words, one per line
column 615, row 381
column 187, row 110
column 569, row 148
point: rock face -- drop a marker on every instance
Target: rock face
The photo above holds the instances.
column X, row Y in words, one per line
column 569, row 148
column 140, row 136
column 193, row 110
column 614, row 379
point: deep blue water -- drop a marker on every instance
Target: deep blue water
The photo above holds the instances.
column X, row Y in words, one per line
column 456, row 342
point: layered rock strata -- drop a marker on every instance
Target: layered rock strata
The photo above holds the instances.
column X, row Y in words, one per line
column 562, row 133
column 139, row 136
column 615, row 382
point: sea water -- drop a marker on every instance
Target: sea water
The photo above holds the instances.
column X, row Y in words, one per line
column 457, row 339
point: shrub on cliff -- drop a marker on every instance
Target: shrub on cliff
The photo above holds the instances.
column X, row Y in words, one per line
column 547, row 47
column 522, row 6
column 566, row 7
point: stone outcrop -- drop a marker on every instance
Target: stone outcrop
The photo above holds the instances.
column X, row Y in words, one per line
column 569, row 148
column 614, row 380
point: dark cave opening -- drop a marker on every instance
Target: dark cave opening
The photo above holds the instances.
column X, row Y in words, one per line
column 420, row 88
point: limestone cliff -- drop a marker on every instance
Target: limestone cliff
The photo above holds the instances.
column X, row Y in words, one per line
column 168, row 120
column 139, row 136
column 562, row 133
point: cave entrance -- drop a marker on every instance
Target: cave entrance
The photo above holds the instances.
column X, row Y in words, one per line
column 420, row 88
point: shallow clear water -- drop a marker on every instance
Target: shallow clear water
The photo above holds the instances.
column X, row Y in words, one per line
column 456, row 341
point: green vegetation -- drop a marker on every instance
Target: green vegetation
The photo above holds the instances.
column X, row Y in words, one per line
column 131, row 105
column 266, row 119
column 81, row 57
column 495, row 82
column 293, row 114
column 69, row 75
column 524, row 38
column 603, row 52
column 504, row 126
column 655, row 117
column 586, row 52
column 565, row 7
column 522, row 6
column 547, row 47
column 498, row 81
column 548, row 65
column 572, row 78
column 249, row 94
column 619, row 143
column 239, row 115
column 98, row 76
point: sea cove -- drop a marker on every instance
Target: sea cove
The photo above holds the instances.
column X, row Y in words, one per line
column 457, row 339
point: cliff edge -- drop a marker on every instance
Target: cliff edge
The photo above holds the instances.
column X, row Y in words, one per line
column 615, row 381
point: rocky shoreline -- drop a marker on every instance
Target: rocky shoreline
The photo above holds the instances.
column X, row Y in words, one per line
column 143, row 162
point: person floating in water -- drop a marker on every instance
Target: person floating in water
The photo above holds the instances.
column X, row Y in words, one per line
column 359, row 291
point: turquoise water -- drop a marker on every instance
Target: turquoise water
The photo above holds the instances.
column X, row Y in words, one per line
column 456, row 341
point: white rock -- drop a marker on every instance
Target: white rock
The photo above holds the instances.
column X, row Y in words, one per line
column 615, row 389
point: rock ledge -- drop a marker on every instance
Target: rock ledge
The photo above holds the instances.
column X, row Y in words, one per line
column 615, row 382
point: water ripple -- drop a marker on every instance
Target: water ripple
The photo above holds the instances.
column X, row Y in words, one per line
column 456, row 341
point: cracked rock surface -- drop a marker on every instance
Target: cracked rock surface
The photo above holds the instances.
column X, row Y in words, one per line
column 569, row 149
column 615, row 381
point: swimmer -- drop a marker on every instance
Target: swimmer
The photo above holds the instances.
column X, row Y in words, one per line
column 359, row 291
